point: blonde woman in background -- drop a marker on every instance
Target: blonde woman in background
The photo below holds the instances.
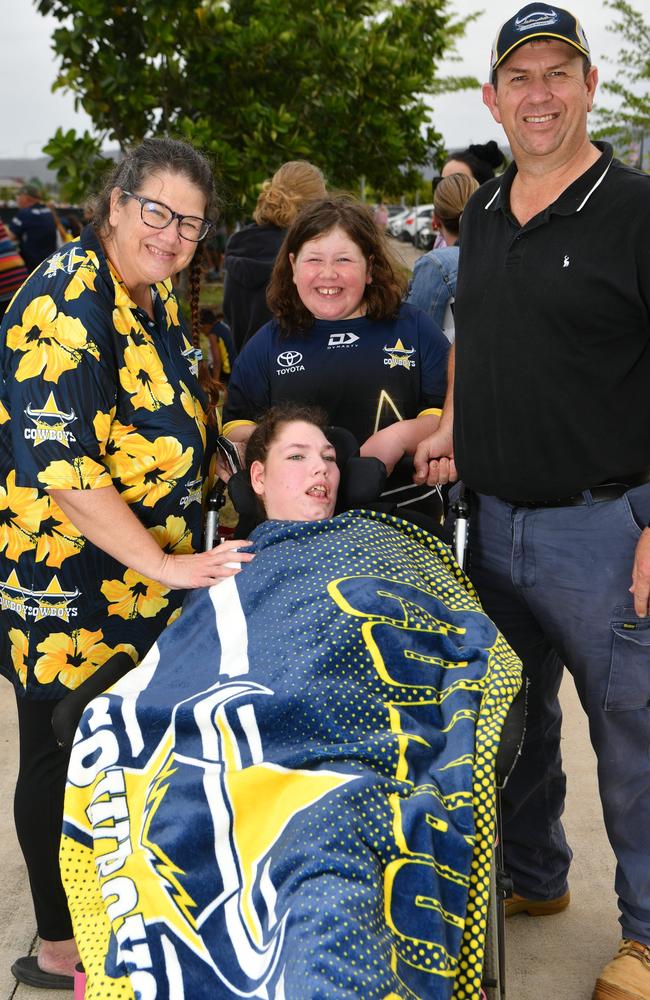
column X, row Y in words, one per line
column 251, row 252
column 433, row 287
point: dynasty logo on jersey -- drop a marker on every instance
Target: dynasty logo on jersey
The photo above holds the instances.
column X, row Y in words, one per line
column 347, row 339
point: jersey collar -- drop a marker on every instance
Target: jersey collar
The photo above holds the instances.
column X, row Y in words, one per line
column 570, row 201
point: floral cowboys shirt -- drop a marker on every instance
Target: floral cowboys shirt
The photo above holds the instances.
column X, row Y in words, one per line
column 94, row 392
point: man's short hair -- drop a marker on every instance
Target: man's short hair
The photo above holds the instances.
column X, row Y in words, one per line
column 32, row 191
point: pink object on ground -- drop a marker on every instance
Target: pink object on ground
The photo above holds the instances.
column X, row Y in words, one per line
column 79, row 982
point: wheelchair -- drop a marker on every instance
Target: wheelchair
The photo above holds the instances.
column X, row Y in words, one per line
column 362, row 481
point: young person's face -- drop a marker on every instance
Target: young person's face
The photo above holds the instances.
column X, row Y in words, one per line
column 300, row 478
column 331, row 274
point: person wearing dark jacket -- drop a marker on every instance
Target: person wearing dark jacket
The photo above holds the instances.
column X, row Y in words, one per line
column 251, row 252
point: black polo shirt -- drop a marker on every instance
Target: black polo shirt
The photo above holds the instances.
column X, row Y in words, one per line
column 552, row 392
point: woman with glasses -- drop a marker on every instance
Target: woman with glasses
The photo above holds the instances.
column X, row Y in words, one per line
column 104, row 441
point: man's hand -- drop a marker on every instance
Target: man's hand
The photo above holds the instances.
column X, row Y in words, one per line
column 641, row 575
column 434, row 459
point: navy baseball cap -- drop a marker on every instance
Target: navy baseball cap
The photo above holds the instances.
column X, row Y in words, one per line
column 537, row 20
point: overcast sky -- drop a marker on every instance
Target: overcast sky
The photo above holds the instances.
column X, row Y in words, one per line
column 31, row 113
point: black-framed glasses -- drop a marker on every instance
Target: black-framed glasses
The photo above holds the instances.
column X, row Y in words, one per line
column 159, row 216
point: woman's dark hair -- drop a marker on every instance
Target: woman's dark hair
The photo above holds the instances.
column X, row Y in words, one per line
column 481, row 160
column 268, row 428
column 130, row 174
column 388, row 280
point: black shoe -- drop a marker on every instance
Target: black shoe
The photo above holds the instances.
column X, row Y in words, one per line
column 27, row 970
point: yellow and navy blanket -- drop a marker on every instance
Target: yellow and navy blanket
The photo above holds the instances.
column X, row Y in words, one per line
column 292, row 797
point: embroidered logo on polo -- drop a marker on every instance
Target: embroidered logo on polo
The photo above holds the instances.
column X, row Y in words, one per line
column 52, row 602
column 566, row 260
column 399, row 356
column 66, row 261
column 49, row 423
column 536, row 19
column 193, row 494
column 347, row 339
column 289, row 362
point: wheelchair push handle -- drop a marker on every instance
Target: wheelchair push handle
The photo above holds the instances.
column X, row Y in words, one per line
column 217, row 496
column 461, row 508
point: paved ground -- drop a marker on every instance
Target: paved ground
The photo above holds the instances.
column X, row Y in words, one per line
column 407, row 253
column 550, row 957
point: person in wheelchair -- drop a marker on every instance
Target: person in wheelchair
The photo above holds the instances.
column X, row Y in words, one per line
column 293, row 795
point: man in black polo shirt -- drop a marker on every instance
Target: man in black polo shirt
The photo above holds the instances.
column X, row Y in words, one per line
column 552, row 434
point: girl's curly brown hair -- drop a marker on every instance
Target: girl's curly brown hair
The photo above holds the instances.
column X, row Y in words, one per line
column 388, row 280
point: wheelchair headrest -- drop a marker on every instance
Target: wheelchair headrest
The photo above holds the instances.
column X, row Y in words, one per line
column 362, row 480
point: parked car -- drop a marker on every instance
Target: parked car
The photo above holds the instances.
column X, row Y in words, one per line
column 414, row 221
column 395, row 221
column 425, row 237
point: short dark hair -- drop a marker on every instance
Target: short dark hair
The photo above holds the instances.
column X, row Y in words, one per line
column 207, row 316
column 268, row 428
column 388, row 287
column 482, row 159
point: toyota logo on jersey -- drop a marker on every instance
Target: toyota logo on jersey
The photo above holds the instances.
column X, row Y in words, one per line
column 289, row 362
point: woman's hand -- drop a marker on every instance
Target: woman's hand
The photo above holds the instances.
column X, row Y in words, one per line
column 104, row 518
column 203, row 569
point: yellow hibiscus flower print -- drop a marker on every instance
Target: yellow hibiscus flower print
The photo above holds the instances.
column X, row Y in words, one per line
column 155, row 472
column 174, row 535
column 134, row 595
column 52, row 343
column 102, row 424
column 73, row 657
column 124, row 321
column 144, row 377
column 4, row 414
column 83, row 277
column 82, row 473
column 176, row 613
column 122, row 297
column 19, row 650
column 125, row 444
column 168, row 299
column 57, row 538
column 21, row 513
column 193, row 408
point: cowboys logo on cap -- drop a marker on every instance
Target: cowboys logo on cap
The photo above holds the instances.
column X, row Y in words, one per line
column 537, row 20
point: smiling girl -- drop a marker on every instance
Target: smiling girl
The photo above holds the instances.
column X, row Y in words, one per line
column 343, row 339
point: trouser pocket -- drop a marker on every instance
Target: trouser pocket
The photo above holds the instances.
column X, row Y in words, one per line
column 629, row 673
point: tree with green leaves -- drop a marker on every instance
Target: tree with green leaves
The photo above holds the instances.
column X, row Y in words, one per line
column 629, row 122
column 255, row 83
